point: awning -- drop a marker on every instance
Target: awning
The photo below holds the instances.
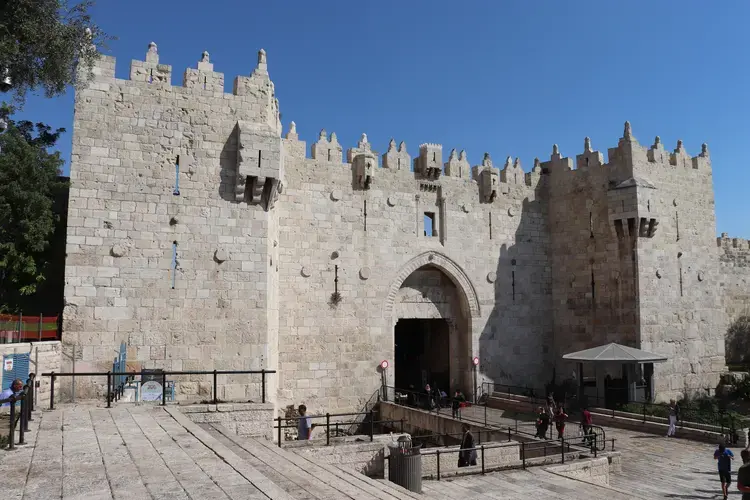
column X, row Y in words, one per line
column 615, row 353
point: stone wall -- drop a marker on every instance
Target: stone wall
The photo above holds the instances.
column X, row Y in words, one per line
column 594, row 471
column 44, row 357
column 202, row 239
column 248, row 419
column 734, row 258
column 365, row 457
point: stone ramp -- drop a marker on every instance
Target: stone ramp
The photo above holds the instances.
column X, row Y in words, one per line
column 302, row 477
column 129, row 453
column 534, row 483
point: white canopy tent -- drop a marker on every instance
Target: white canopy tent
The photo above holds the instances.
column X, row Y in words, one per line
column 628, row 358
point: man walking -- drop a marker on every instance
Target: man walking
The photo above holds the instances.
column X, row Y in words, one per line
column 672, row 418
column 725, row 457
column 743, row 475
column 304, row 425
column 458, row 399
column 586, row 426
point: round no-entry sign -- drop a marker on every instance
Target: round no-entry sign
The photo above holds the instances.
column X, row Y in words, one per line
column 475, row 361
column 384, row 364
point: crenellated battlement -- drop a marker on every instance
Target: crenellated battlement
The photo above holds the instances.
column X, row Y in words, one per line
column 732, row 244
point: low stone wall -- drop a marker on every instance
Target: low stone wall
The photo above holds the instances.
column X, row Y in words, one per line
column 416, row 419
column 244, row 419
column 496, row 455
column 594, row 471
column 356, row 452
column 44, row 357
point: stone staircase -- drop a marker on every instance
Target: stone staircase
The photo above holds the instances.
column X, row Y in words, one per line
column 302, row 477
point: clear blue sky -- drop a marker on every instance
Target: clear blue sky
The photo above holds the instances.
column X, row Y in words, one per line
column 507, row 77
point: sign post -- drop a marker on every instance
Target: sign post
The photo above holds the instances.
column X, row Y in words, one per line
column 475, row 363
column 384, row 378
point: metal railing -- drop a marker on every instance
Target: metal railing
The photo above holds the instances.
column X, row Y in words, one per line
column 525, row 449
column 332, row 424
column 20, row 419
column 591, row 436
column 116, row 391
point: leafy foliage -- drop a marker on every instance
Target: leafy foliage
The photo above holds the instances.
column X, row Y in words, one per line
column 43, row 43
column 28, row 185
column 738, row 341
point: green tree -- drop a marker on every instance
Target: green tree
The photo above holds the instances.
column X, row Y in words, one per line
column 43, row 43
column 29, row 182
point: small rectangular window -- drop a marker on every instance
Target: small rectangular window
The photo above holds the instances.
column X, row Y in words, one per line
column 430, row 228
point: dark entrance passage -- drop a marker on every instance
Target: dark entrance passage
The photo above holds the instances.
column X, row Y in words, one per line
column 422, row 354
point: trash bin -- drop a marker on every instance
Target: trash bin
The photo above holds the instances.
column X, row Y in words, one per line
column 405, row 464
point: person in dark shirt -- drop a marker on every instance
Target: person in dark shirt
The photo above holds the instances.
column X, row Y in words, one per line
column 724, row 457
column 542, row 423
column 458, row 398
column 743, row 475
column 468, row 455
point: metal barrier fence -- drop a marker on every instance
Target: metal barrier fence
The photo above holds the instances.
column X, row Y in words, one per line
column 114, row 392
column 592, row 436
column 20, row 419
column 19, row 328
column 331, row 423
column 688, row 418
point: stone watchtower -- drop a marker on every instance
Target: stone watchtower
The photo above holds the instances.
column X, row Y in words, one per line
column 172, row 231
column 634, row 259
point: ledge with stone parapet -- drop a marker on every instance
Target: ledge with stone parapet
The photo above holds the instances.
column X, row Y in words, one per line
column 328, row 152
column 201, row 80
column 244, row 419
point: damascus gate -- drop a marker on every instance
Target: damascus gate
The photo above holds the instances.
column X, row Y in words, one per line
column 205, row 235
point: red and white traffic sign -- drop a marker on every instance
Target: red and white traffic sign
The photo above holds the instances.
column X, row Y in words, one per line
column 384, row 364
column 475, row 361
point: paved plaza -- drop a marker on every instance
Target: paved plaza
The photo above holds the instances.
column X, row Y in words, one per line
column 140, row 452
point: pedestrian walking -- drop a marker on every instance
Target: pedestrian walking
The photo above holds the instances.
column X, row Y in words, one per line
column 304, row 425
column 586, row 426
column 456, row 404
column 560, row 418
column 724, row 457
column 542, row 423
column 672, row 418
column 468, row 454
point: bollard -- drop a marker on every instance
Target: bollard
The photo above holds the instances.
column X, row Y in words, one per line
column 22, row 426
column 372, row 425
column 109, row 390
column 523, row 454
column 328, row 429
column 163, row 388
column 562, row 448
column 402, row 426
column 508, row 433
column 25, row 408
column 279, row 426
column 216, row 385
column 263, row 385
column 437, row 454
column 12, row 427
column 482, row 448
column 30, row 397
column 52, row 391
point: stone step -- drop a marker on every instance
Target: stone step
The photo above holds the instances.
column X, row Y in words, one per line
column 311, row 477
column 271, row 472
column 320, row 467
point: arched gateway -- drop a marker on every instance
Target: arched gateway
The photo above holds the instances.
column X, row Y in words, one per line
column 431, row 304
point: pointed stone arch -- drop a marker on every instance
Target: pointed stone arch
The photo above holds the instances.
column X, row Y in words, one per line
column 469, row 299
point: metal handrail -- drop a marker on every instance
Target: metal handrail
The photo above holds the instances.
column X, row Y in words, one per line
column 114, row 393
column 336, row 424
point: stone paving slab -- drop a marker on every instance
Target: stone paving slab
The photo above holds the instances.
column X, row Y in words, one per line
column 127, row 452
